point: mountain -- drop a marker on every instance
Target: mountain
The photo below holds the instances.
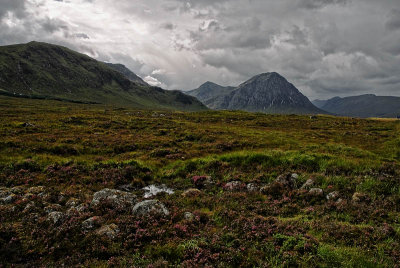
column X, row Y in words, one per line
column 50, row 71
column 211, row 94
column 368, row 105
column 268, row 93
column 127, row 73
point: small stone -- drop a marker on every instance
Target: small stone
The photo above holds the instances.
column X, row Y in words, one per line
column 252, row 187
column 288, row 181
column 148, row 207
column 72, row 202
column 111, row 231
column 317, row 192
column 56, row 217
column 8, row 199
column 91, row 223
column 52, row 208
column 234, row 186
column 333, row 196
column 191, row 193
column 360, row 197
column 308, row 184
column 188, row 216
column 153, row 190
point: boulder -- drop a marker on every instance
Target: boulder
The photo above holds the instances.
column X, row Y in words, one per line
column 191, row 193
column 150, row 207
column 110, row 231
column 114, row 198
column 333, row 196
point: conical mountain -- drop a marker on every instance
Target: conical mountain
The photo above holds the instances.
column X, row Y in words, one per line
column 267, row 93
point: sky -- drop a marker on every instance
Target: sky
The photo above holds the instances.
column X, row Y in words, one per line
column 326, row 48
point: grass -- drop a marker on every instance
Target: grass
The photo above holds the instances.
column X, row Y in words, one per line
column 74, row 150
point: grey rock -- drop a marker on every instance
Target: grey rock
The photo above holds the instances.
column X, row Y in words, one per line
column 234, row 186
column 153, row 190
column 252, row 187
column 115, row 198
column 308, row 184
column 148, row 207
column 188, row 216
column 56, row 217
column 72, row 202
column 289, row 181
column 8, row 199
column 91, row 223
column 317, row 192
column 333, row 196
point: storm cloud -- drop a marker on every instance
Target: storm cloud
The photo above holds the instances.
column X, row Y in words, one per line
column 325, row 47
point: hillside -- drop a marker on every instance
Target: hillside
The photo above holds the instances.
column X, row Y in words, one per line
column 40, row 69
column 127, row 73
column 267, row 93
column 368, row 105
column 85, row 187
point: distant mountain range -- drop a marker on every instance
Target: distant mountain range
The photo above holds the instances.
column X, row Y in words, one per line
column 362, row 106
column 49, row 71
column 267, row 93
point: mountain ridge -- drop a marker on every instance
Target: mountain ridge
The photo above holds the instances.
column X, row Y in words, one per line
column 52, row 71
column 366, row 105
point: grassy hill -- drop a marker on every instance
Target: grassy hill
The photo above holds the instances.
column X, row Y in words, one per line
column 40, row 69
column 54, row 157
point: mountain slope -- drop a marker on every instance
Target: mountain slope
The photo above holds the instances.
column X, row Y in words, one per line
column 268, row 93
column 127, row 73
column 364, row 106
column 211, row 94
column 40, row 69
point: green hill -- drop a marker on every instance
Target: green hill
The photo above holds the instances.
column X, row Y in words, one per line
column 46, row 70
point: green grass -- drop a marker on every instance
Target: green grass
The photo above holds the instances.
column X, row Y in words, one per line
column 75, row 150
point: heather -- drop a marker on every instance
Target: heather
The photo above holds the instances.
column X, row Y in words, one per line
column 249, row 189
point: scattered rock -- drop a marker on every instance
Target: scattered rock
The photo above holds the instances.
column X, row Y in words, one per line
column 252, row 187
column 289, row 181
column 114, row 198
column 52, row 208
column 153, row 190
column 317, row 192
column 9, row 199
column 56, row 217
column 191, row 193
column 333, row 196
column 188, row 216
column 360, row 197
column 202, row 181
column 111, row 231
column 234, row 186
column 91, row 223
column 308, row 184
column 73, row 202
column 36, row 190
column 147, row 207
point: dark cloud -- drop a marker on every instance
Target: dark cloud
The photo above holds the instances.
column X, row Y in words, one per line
column 324, row 47
column 393, row 22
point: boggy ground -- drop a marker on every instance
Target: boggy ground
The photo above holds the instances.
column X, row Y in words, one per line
column 248, row 205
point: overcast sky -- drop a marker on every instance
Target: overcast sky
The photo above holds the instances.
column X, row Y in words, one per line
column 325, row 48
